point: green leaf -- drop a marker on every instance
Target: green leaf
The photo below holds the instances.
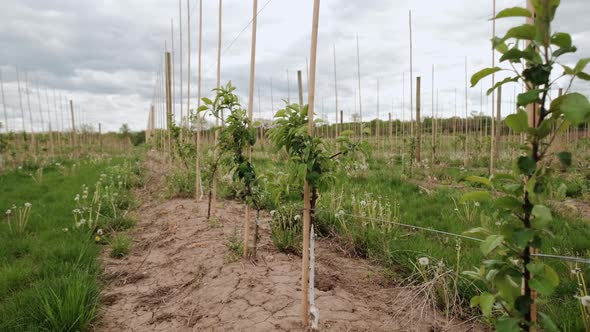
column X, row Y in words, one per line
column 482, row 74
column 486, row 303
column 538, row 74
column 581, row 65
column 574, row 106
column 207, row 101
column 525, row 31
column 477, row 196
column 499, row 45
column 523, row 236
column 478, row 179
column 542, row 215
column 545, row 279
column 583, row 76
column 490, row 243
column 565, row 158
column 561, row 39
column 514, row 12
column 547, row 323
column 528, row 97
column 506, row 324
column 512, row 55
column 526, row 165
column 202, row 108
column 518, row 122
column 508, row 202
column 502, row 82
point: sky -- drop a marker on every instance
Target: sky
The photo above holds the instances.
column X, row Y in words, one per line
column 105, row 56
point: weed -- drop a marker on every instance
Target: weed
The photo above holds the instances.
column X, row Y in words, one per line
column 120, row 245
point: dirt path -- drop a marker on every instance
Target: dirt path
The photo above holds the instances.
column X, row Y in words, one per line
column 180, row 277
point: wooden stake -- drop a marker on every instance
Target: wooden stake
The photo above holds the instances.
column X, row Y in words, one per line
column 418, row 131
column 198, row 194
column 188, row 78
column 216, row 135
column 74, row 143
column 358, row 62
column 300, row 88
column 33, row 141
column 335, row 93
column 306, row 268
column 493, row 133
column 180, row 58
column 498, row 121
column 250, row 112
column 411, row 76
column 169, row 120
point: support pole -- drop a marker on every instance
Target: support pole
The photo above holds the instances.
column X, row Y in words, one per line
column 307, row 216
column 250, row 112
column 418, row 131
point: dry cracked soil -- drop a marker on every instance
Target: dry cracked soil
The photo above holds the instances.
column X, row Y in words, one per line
column 181, row 276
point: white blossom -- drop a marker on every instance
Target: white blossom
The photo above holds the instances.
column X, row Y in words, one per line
column 99, row 232
column 423, row 261
column 27, row 204
column 8, row 212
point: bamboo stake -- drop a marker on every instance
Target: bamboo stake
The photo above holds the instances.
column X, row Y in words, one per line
column 169, row 120
column 198, row 129
column 418, row 124
column 288, row 89
column 39, row 106
column 335, row 92
column 188, row 79
column 358, row 62
column 465, row 156
column 300, row 88
column 216, row 135
column 180, row 59
column 20, row 102
column 33, row 140
column 250, row 111
column 411, row 76
column 74, row 143
column 493, row 147
column 433, row 124
column 307, row 285
column 499, row 122
column 4, row 103
column 173, row 64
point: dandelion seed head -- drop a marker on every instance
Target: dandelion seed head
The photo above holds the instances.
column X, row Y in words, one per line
column 99, row 232
column 423, row 261
column 27, row 204
column 8, row 212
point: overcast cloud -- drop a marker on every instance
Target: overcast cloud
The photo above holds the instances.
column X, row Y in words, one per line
column 104, row 55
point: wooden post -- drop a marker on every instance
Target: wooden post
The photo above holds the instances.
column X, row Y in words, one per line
column 250, row 112
column 4, row 103
column 100, row 133
column 306, row 268
column 180, row 59
column 358, row 62
column 493, row 141
column 216, row 135
column 169, row 104
column 418, row 131
column 411, row 76
column 74, row 143
column 198, row 129
column 300, row 88
column 188, row 78
column 465, row 155
column 498, row 122
column 335, row 94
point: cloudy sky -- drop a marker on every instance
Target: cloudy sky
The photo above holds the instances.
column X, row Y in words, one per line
column 105, row 55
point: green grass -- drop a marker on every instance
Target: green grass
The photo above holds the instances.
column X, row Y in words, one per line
column 48, row 276
column 120, row 245
column 398, row 248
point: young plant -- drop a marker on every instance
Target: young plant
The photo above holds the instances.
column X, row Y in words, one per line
column 120, row 246
column 513, row 275
column 21, row 220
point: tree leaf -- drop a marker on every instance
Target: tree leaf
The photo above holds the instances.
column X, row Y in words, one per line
column 545, row 279
column 514, row 12
column 565, row 158
column 486, row 303
column 482, row 74
column 490, row 243
column 477, row 196
column 478, row 179
column 518, row 122
column 526, row 165
column 561, row 39
column 506, row 324
column 584, row 76
column 542, row 215
column 574, row 106
column 528, row 97
column 525, row 31
column 581, row 65
column 508, row 202
column 502, row 82
column 513, row 55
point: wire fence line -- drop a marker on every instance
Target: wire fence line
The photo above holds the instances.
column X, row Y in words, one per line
column 582, row 260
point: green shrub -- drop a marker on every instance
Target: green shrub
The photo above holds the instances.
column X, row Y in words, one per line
column 120, row 245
